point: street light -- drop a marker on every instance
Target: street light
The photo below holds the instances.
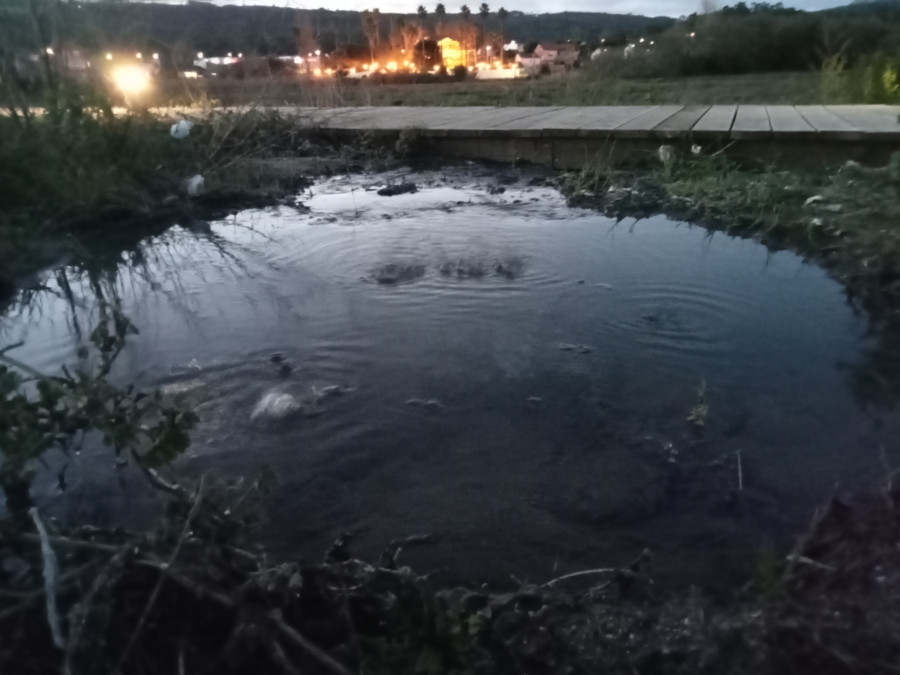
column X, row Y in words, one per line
column 108, row 56
column 155, row 56
column 318, row 52
column 199, row 55
column 138, row 56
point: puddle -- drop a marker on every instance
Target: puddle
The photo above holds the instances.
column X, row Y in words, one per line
column 492, row 367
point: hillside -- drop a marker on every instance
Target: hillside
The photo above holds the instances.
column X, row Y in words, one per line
column 229, row 28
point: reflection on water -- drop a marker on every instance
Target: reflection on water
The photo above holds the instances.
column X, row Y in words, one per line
column 497, row 369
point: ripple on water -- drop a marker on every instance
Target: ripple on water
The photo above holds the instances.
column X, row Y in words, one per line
column 517, row 451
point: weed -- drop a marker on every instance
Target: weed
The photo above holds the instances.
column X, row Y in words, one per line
column 698, row 414
column 39, row 413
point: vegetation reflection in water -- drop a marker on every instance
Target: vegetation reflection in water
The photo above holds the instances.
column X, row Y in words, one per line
column 635, row 436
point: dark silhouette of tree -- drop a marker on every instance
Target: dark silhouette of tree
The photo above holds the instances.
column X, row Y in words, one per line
column 484, row 10
column 411, row 35
column 370, row 28
column 423, row 17
column 376, row 13
column 440, row 11
column 502, row 14
column 466, row 14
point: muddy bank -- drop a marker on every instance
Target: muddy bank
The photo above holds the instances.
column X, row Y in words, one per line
column 843, row 218
column 194, row 593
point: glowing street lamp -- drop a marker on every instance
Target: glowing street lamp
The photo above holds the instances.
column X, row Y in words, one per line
column 138, row 56
column 199, row 55
column 49, row 51
column 318, row 52
column 108, row 56
column 693, row 34
column 131, row 80
column 155, row 56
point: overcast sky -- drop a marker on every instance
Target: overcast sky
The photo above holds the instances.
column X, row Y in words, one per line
column 647, row 7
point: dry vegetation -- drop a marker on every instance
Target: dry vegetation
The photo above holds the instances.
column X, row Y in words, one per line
column 585, row 87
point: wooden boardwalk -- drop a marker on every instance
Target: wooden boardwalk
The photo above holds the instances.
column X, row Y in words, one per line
column 568, row 136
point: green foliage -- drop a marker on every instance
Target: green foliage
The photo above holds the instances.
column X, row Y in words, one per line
column 878, row 75
column 834, row 77
column 39, row 414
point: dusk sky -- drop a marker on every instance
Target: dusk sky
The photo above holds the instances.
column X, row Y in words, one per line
column 647, row 7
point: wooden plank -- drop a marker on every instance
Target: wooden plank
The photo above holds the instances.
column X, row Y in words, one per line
column 640, row 126
column 680, row 124
column 828, row 125
column 787, row 122
column 525, row 115
column 484, row 120
column 538, row 119
column 716, row 122
column 874, row 120
column 575, row 121
column 751, row 121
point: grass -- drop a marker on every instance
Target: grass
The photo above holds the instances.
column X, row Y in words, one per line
column 843, row 218
column 585, row 87
column 77, row 173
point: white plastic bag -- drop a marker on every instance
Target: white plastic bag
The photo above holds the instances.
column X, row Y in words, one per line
column 194, row 185
column 181, row 129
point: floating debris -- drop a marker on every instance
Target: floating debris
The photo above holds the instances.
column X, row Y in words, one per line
column 330, row 391
column 275, row 405
column 431, row 404
column 463, row 268
column 581, row 349
column 813, row 200
column 535, row 399
column 399, row 189
column 394, row 273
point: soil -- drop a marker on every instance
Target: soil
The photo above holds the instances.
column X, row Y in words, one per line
column 194, row 595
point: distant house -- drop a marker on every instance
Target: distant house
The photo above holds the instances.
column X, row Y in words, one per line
column 563, row 53
column 528, row 60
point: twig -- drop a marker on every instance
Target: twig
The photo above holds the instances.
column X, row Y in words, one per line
column 14, row 345
column 51, row 577
column 200, row 591
column 159, row 584
column 583, row 573
column 809, row 561
column 78, row 614
column 68, row 542
column 158, row 481
column 295, row 638
column 15, row 363
column 281, row 658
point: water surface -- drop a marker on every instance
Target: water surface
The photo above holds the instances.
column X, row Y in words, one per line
column 520, row 389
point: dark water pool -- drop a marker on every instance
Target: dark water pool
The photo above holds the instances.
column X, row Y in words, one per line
column 515, row 375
